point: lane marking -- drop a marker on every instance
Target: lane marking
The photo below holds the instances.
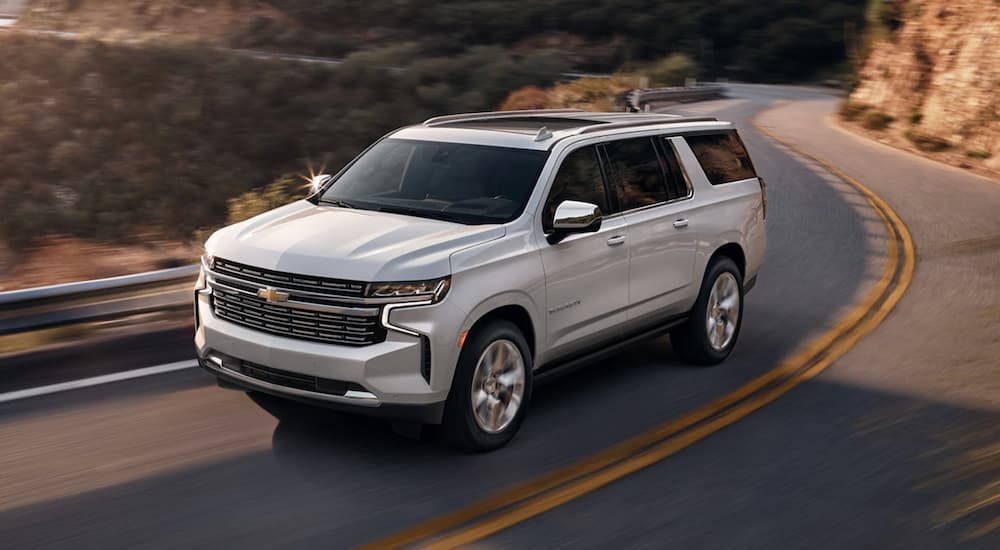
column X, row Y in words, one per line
column 96, row 381
column 563, row 485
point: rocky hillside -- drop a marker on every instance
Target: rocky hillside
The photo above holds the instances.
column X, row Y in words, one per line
column 937, row 74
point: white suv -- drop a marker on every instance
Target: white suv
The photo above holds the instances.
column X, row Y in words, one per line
column 454, row 263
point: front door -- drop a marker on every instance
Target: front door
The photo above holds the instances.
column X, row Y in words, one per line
column 586, row 274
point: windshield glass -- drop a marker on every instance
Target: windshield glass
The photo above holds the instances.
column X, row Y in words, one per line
column 471, row 184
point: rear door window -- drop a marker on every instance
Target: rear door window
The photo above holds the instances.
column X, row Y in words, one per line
column 637, row 172
column 722, row 157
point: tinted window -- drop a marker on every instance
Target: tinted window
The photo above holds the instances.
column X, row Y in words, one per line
column 677, row 185
column 637, row 172
column 578, row 179
column 722, row 157
column 453, row 181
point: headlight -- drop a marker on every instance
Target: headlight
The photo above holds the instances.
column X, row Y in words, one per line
column 208, row 261
column 435, row 289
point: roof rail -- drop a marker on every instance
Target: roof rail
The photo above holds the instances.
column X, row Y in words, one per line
column 445, row 119
column 644, row 122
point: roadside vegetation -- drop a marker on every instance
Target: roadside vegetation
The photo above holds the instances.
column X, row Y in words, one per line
column 108, row 140
column 739, row 39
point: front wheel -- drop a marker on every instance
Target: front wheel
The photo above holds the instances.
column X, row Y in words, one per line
column 491, row 388
column 711, row 331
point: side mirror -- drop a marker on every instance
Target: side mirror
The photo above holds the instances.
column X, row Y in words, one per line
column 317, row 183
column 574, row 217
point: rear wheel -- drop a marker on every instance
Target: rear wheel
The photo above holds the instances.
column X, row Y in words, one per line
column 711, row 331
column 490, row 390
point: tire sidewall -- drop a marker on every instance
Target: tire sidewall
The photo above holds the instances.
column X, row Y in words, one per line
column 459, row 423
column 715, row 269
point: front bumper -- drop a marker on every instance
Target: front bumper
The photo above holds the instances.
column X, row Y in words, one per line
column 382, row 379
column 425, row 414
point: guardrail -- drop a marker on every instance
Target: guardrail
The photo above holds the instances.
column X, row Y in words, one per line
column 100, row 299
column 638, row 99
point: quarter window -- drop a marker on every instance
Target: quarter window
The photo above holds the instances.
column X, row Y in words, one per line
column 722, row 157
column 637, row 172
column 579, row 179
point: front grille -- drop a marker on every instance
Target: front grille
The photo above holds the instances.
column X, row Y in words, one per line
column 257, row 313
column 290, row 281
column 298, row 380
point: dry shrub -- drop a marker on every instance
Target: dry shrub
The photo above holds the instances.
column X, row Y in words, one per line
column 851, row 111
column 589, row 94
column 877, row 120
column 529, row 97
column 926, row 142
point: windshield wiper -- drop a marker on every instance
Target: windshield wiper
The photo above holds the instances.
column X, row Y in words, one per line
column 338, row 202
column 434, row 214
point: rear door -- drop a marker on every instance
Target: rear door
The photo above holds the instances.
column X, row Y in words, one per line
column 654, row 197
column 586, row 274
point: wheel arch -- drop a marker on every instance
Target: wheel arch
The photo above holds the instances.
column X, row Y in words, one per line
column 734, row 252
column 514, row 313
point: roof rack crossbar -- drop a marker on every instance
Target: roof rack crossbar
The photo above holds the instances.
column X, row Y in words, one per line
column 645, row 122
column 490, row 115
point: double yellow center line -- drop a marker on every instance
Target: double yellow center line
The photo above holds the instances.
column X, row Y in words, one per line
column 529, row 499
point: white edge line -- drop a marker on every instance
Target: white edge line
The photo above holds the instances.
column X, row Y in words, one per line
column 96, row 381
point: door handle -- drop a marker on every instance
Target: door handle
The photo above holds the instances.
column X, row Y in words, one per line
column 616, row 240
column 681, row 223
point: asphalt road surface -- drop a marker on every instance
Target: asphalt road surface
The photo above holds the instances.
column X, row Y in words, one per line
column 897, row 444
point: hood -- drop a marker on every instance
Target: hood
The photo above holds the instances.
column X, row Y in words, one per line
column 342, row 243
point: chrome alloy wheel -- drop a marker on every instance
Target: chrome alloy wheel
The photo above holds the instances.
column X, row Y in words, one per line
column 723, row 311
column 498, row 386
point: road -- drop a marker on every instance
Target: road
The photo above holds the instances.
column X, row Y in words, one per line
column 894, row 445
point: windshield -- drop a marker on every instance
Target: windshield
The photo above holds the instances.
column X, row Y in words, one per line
column 471, row 184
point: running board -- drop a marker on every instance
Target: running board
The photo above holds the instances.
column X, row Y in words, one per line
column 550, row 371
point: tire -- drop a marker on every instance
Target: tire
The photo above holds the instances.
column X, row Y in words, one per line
column 695, row 341
column 476, row 380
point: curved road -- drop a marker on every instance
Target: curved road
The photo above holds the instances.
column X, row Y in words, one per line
column 895, row 445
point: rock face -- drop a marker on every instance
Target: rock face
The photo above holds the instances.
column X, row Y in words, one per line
column 940, row 73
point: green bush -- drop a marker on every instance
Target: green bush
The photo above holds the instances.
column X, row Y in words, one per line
column 927, row 143
column 916, row 118
column 283, row 190
column 885, row 16
column 851, row 111
column 672, row 70
column 877, row 120
column 978, row 154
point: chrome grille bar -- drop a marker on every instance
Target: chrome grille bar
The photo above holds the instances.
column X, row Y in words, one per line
column 290, row 281
column 234, row 298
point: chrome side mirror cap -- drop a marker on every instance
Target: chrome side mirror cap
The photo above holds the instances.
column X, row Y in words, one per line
column 574, row 217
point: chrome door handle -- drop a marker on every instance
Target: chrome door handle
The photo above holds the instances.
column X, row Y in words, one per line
column 616, row 240
column 681, row 223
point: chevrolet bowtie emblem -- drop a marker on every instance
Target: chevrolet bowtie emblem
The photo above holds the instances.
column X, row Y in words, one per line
column 272, row 294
